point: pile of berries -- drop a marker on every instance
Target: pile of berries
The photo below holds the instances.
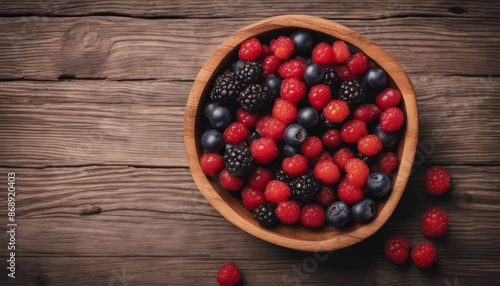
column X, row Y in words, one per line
column 305, row 132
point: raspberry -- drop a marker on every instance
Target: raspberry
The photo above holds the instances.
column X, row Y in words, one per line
column 326, row 195
column 340, row 51
column 259, row 178
column 211, row 163
column 288, row 212
column 270, row 65
column 252, row 198
column 357, row 63
column 332, row 138
column 388, row 98
column 342, row 156
column 344, row 73
column 230, row 182
column 336, row 111
column 277, row 191
column 367, row 113
column 250, row 49
column 283, row 47
column 312, row 215
column 391, row 119
column 271, row 127
column 326, row 172
column 437, row 181
column 323, row 156
column 292, row 69
column 424, row 255
column 295, row 165
column 285, row 111
column 322, row 53
column 293, row 90
column 357, row 172
column 266, row 51
column 312, row 147
column 353, row 130
column 369, row 145
column 387, row 162
column 236, row 133
column 319, row 95
column 397, row 249
column 228, row 275
column 434, row 223
column 264, row 150
column 348, row 193
column 248, row 119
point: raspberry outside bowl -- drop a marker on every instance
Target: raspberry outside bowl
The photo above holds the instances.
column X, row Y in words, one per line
column 298, row 237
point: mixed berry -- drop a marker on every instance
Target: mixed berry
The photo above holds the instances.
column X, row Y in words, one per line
column 304, row 129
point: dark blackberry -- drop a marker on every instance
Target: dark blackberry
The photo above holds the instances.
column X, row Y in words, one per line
column 353, row 92
column 369, row 160
column 305, row 187
column 254, row 98
column 226, row 89
column 249, row 72
column 253, row 136
column 264, row 214
column 331, row 78
column 239, row 161
column 280, row 175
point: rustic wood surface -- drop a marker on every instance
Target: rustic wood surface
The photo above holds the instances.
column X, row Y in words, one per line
column 92, row 97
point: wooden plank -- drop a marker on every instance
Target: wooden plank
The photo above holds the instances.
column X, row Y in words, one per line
column 140, row 123
column 123, row 48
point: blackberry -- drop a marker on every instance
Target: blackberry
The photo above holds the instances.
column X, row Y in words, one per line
column 239, row 161
column 249, row 72
column 353, row 92
column 370, row 160
column 254, row 98
column 264, row 214
column 305, row 187
column 280, row 175
column 331, row 78
column 253, row 136
column 226, row 89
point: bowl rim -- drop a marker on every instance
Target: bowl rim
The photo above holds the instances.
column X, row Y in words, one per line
column 406, row 150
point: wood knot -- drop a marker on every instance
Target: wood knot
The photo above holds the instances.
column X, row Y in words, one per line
column 91, row 211
column 457, row 10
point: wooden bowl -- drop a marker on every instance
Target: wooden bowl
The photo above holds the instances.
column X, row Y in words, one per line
column 297, row 237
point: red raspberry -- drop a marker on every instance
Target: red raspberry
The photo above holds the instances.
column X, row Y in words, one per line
column 340, row 51
column 434, row 223
column 342, row 156
column 322, row 53
column 295, row 165
column 367, row 113
column 344, row 73
column 285, row 111
column 387, row 162
column 348, row 193
column 277, row 191
column 271, row 127
column 326, row 195
column 312, row 215
column 312, row 147
column 319, row 95
column 388, row 98
column 259, row 178
column 270, row 65
column 397, row 249
column 424, row 255
column 264, row 150
column 211, row 163
column 327, row 172
column 356, row 64
column 230, row 182
column 437, row 181
column 266, row 51
column 369, row 145
column 248, row 119
column 288, row 212
column 391, row 119
column 228, row 275
column 353, row 130
column 323, row 156
column 357, row 172
column 250, row 49
column 283, row 47
column 236, row 133
column 336, row 111
column 293, row 90
column 252, row 198
column 332, row 138
column 292, row 69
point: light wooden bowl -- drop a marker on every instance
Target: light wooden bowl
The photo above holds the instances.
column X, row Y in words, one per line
column 296, row 237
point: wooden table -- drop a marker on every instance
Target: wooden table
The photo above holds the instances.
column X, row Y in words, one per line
column 92, row 97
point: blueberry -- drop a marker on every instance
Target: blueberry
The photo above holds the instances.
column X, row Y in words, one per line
column 274, row 84
column 236, row 65
column 338, row 214
column 289, row 151
column 303, row 42
column 209, row 106
column 378, row 185
column 314, row 74
column 363, row 211
column 388, row 139
column 376, row 78
column 220, row 117
column 308, row 117
column 295, row 135
column 212, row 141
